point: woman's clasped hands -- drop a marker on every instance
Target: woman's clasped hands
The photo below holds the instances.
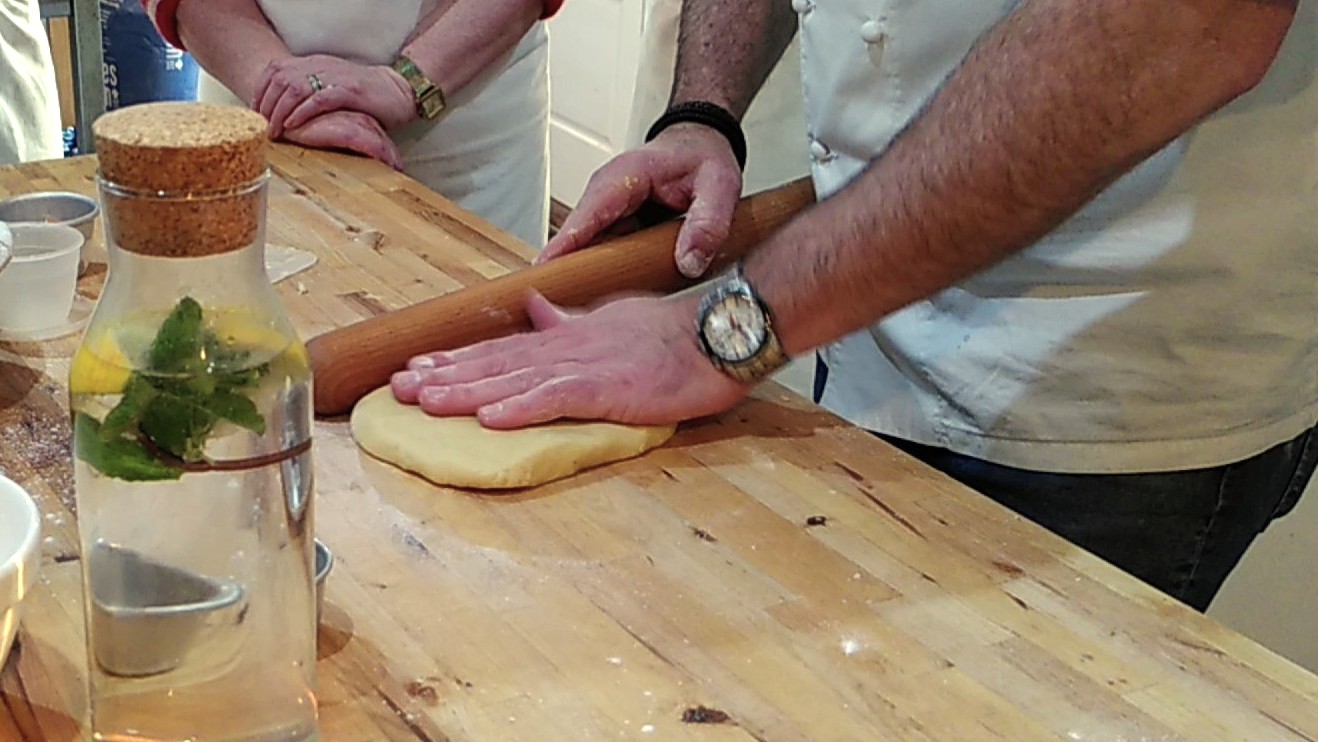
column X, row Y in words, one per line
column 328, row 102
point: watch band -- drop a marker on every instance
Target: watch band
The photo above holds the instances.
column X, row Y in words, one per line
column 428, row 96
column 708, row 114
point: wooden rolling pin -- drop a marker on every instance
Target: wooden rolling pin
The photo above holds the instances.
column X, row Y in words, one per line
column 353, row 360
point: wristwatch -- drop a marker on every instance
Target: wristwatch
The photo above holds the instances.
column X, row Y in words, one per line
column 429, row 98
column 736, row 331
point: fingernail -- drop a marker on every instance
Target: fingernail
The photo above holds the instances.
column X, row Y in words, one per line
column 489, row 412
column 692, row 264
column 420, row 363
column 406, row 378
column 409, row 380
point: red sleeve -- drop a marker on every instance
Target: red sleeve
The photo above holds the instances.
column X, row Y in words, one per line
column 163, row 13
column 551, row 7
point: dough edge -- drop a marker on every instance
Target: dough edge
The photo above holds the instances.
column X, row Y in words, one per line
column 458, row 452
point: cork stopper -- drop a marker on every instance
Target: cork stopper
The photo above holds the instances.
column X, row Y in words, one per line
column 181, row 177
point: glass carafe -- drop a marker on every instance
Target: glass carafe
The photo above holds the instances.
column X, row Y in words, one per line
column 191, row 399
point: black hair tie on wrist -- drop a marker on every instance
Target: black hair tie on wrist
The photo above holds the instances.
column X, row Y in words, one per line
column 708, row 114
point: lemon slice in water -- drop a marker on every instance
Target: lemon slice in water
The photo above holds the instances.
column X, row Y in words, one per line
column 99, row 367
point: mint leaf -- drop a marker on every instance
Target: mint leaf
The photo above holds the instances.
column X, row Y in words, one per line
column 230, row 382
column 178, row 343
column 177, row 425
column 119, row 458
column 237, row 409
column 123, row 419
column 198, row 385
column 172, row 406
column 225, row 356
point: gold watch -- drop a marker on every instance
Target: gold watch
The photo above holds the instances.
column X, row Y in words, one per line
column 429, row 98
column 736, row 331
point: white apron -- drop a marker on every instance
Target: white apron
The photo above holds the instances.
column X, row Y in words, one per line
column 1168, row 325
column 488, row 151
column 29, row 101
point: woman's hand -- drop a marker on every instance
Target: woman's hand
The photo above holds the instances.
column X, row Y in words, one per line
column 688, row 168
column 352, row 131
column 293, row 91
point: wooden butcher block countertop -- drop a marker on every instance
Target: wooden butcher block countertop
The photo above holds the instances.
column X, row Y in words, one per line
column 776, row 566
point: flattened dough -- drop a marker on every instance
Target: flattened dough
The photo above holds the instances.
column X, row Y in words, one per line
column 458, row 452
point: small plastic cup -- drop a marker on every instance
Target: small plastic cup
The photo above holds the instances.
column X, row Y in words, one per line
column 38, row 285
column 6, row 245
column 57, row 207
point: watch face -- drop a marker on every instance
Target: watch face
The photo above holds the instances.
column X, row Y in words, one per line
column 735, row 328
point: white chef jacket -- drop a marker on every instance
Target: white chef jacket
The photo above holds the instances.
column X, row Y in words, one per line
column 1170, row 324
column 488, row 151
column 29, row 102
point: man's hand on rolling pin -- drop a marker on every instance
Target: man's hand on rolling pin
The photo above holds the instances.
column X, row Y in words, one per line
column 688, row 168
column 630, row 361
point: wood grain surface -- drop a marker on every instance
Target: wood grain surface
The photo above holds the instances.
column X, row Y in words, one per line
column 774, row 574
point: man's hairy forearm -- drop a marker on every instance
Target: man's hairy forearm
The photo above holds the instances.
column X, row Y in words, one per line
column 727, row 48
column 232, row 40
column 1051, row 106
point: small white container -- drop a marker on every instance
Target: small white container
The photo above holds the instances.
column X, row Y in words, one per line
column 6, row 245
column 38, row 286
column 20, row 530
column 56, row 207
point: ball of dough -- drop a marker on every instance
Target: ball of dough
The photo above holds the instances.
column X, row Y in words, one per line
column 458, row 452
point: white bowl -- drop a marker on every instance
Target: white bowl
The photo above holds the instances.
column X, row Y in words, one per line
column 20, row 530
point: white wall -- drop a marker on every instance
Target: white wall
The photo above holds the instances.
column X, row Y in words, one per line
column 593, row 52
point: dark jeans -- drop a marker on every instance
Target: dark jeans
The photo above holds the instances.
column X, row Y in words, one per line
column 1181, row 532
